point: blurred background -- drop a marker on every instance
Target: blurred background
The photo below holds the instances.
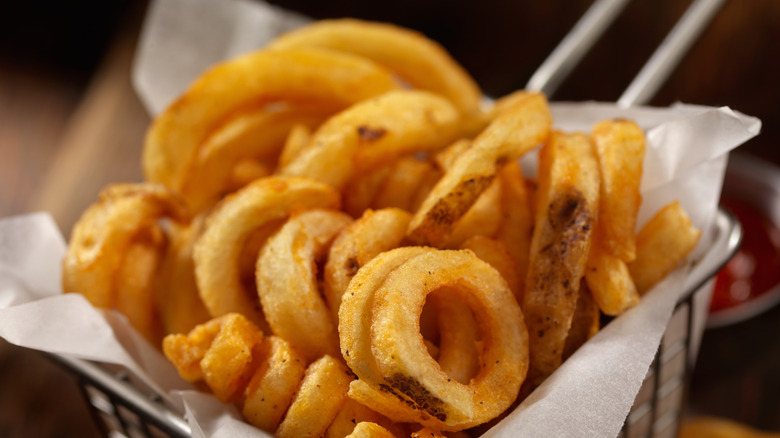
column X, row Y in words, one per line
column 70, row 123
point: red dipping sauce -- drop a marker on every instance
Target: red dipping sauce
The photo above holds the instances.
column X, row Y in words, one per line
column 755, row 268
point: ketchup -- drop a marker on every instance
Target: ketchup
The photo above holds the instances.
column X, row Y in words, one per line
column 755, row 268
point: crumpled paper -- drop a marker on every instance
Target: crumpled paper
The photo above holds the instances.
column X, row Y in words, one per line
column 589, row 396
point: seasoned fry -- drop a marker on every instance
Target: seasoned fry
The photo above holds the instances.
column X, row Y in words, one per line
column 104, row 232
column 273, row 385
column 427, row 432
column 353, row 413
column 367, row 429
column 322, row 392
column 410, row 176
column 376, row 131
column 253, row 136
column 245, row 171
column 355, row 312
column 662, row 244
column 136, row 285
column 288, row 286
column 609, row 280
column 620, row 149
column 418, row 60
column 324, row 78
column 567, row 205
column 363, row 189
column 358, row 243
column 458, row 353
column 483, row 218
column 218, row 352
column 447, row 156
column 497, row 255
column 295, row 143
column 517, row 222
column 218, row 250
column 519, row 129
column 410, row 386
column 177, row 289
column 584, row 324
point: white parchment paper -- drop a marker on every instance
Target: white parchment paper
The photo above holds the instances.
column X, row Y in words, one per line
column 589, row 396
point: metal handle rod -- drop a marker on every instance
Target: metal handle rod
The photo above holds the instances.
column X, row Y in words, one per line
column 668, row 54
column 575, row 45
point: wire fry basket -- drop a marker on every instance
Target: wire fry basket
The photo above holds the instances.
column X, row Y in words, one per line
column 124, row 407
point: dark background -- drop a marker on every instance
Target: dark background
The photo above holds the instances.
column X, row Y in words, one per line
column 65, row 97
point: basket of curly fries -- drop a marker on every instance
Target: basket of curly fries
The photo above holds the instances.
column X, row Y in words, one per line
column 337, row 235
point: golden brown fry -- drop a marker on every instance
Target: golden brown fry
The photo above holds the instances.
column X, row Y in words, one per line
column 245, row 171
column 458, row 332
column 363, row 189
column 401, row 380
column 584, row 324
column 518, row 221
column 447, row 156
column 567, row 205
column 620, row 148
column 322, row 78
column 252, row 136
column 358, row 243
column 374, row 132
column 322, row 392
column 355, row 313
column 353, row 413
column 218, row 250
column 427, row 432
column 136, row 285
column 219, row 352
column 609, row 280
column 271, row 389
column 295, row 143
column 662, row 244
column 227, row 364
column 105, row 231
column 367, row 429
column 497, row 255
column 177, row 289
column 420, row 61
column 288, row 286
column 518, row 130
column 410, row 176
column 483, row 218
column 504, row 103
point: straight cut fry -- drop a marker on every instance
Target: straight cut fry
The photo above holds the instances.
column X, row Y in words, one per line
column 620, row 148
column 609, row 281
column 662, row 244
column 567, row 204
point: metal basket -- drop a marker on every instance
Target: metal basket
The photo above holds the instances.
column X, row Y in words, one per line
column 123, row 406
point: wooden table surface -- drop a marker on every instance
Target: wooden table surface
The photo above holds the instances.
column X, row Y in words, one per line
column 62, row 139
